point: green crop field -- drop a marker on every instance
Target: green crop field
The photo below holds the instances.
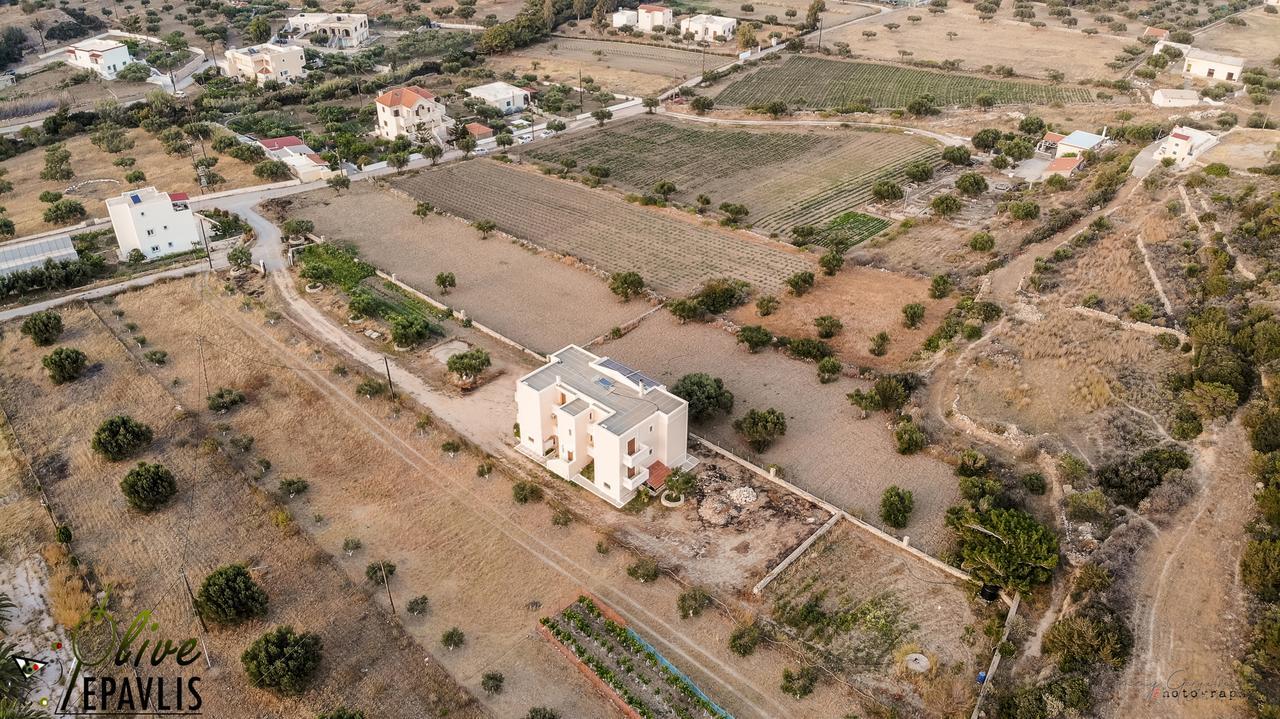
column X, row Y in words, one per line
column 803, row 81
column 785, row 177
column 849, row 229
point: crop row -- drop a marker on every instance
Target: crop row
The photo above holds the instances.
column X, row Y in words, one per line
column 803, row 81
column 850, row 229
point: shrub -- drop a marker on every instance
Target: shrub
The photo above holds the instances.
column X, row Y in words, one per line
column 940, row 287
column 895, row 506
column 767, row 305
column 910, row 437
column 419, row 605
column 831, row 262
column 156, row 357
column 1130, row 480
column 543, row 712
column 293, row 486
column 492, row 683
column 626, row 284
column 1092, row 634
column 745, row 638
column 341, row 712
column 887, row 191
column 524, row 492
column 643, row 570
column 754, row 337
column 829, row 369
column 65, row 364
column 468, row 366
column 808, row 348
column 982, row 242
column 225, row 398
column 230, row 596
column 912, row 315
column 43, row 327
column 692, row 601
column 705, row 394
column 380, row 572
column 880, row 344
column 1033, row 482
column 827, row 326
column 63, row 535
column 971, row 183
column 972, row 463
column 761, row 428
column 800, row 283
column 1005, row 547
column 408, row 330
column 119, row 437
column 1260, row 569
column 799, row 683
column 283, row 660
column 271, row 170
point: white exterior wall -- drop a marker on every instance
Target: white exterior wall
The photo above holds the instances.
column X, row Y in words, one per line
column 708, row 27
column 624, row 17
column 1211, row 69
column 155, row 225
column 284, row 64
column 106, row 62
column 647, row 20
column 399, row 120
column 505, row 97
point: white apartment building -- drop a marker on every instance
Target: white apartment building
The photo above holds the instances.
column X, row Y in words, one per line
column 1211, row 65
column 506, row 97
column 709, row 27
column 156, row 223
column 268, row 61
column 649, row 17
column 343, row 29
column 602, row 425
column 1184, row 145
column 409, row 111
column 105, row 57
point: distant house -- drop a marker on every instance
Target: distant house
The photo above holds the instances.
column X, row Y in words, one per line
column 1175, row 98
column 25, row 255
column 409, row 112
column 653, row 16
column 1073, row 145
column 304, row 163
column 105, row 57
column 478, row 131
column 624, row 18
column 1158, row 33
column 709, row 27
column 152, row 222
column 268, row 61
column 1065, row 166
column 503, row 96
column 1200, row 63
column 1184, row 145
column 335, row 29
column 602, row 425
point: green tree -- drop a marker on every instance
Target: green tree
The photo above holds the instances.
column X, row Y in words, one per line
column 664, row 189
column 831, row 262
column 919, row 171
column 492, row 683
column 680, row 483
column 64, row 211
column 446, row 281
column 380, row 572
column 600, row 116
column 1005, row 547
column 259, row 29
column 65, row 364
column 895, row 506
column 484, row 227
column 705, row 394
column 761, row 428
column 148, row 486
column 887, row 191
column 409, row 330
column 800, row 282
column 338, row 183
column 957, row 155
column 754, row 337
column 119, row 437
column 43, row 327
column 283, row 660
column 469, row 365
column 972, row 184
column 702, row 104
column 946, row 205
column 626, row 284
column 240, row 257
column 271, row 170
column 650, row 104
column 229, row 595
column 912, row 315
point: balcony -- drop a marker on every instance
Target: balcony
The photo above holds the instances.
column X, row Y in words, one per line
column 637, row 458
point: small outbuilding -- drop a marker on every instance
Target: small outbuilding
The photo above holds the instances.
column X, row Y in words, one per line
column 1175, row 98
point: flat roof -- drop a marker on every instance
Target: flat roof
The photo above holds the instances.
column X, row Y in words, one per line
column 1198, row 54
column 584, row 373
column 16, row 256
column 97, row 45
column 1082, row 139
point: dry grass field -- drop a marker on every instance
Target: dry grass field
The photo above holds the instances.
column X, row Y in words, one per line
column 218, row 517
column 1256, row 42
column 866, row 301
column 674, row 253
column 557, row 304
column 827, row 450
column 53, row 86
column 168, row 173
column 488, row 566
column 1244, row 148
column 931, row 247
column 977, row 44
column 1074, row 377
column 1111, row 271
column 784, row 177
column 914, row 608
column 627, row 68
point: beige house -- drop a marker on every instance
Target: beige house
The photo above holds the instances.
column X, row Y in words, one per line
column 259, row 63
column 338, row 29
column 409, row 112
column 1213, row 66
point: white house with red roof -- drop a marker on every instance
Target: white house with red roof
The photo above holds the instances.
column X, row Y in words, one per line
column 105, row 57
column 1184, row 145
column 649, row 17
column 409, row 112
column 154, row 223
column 305, row 164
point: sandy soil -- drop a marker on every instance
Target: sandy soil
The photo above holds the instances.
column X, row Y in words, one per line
column 168, row 173
column 559, row 304
column 1243, row 148
column 1001, row 41
column 826, row 451
column 47, row 85
column 627, row 68
column 141, row 556
column 867, row 301
column 1256, row 42
column 931, row 247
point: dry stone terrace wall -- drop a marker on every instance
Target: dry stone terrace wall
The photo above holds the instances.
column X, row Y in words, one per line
column 673, row 255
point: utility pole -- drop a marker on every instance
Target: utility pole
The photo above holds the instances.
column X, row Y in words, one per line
column 383, row 566
column 581, row 106
column 203, row 628
column 387, row 364
column 208, row 252
column 203, row 370
column 819, row 33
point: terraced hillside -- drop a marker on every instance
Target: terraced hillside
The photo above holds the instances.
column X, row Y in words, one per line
column 814, row 82
column 674, row 255
column 784, row 177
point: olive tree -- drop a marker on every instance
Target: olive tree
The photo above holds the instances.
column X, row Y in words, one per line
column 119, row 437
column 65, row 364
column 230, row 596
column 148, row 486
column 283, row 660
column 705, row 394
column 43, row 327
column 760, row 428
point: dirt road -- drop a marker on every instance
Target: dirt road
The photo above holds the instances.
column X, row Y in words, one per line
column 1189, row 616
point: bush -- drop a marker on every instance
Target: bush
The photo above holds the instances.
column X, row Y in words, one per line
column 1130, row 480
column 119, row 437
column 800, row 283
column 910, row 437
column 492, row 683
column 767, row 305
column 342, row 713
column 745, row 638
column 761, row 428
column 283, row 660
column 895, row 506
column 380, row 572
column 705, row 394
column 982, row 242
column 524, row 492
column 754, row 337
column 626, row 284
column 408, row 331
column 43, row 327
column 912, row 315
column 1091, row 635
column 829, row 369
column 643, row 570
column 1033, row 482
column 880, row 344
column 271, row 170
column 1260, row 569
column 419, row 605
column 827, row 326
column 65, row 364
column 543, row 712
column 799, row 683
column 293, row 486
column 809, row 348
column 230, row 596
column 692, row 601
column 940, row 287
column 225, row 398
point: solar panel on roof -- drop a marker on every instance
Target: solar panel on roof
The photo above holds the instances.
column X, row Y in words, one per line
column 616, row 366
column 604, row 382
column 135, row 199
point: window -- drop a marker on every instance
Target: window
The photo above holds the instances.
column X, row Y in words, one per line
column 1209, row 73
column 150, row 233
column 569, row 455
column 631, row 472
column 155, row 248
column 631, row 446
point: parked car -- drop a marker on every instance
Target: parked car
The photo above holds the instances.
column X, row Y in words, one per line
column 546, row 133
